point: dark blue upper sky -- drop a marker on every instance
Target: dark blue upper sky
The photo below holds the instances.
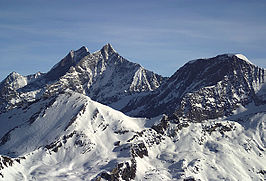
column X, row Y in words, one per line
column 161, row 35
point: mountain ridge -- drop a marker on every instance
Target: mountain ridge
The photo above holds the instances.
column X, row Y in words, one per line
column 205, row 122
column 80, row 69
column 197, row 74
column 74, row 70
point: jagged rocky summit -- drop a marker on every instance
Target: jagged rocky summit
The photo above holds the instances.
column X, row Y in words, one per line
column 205, row 122
column 104, row 75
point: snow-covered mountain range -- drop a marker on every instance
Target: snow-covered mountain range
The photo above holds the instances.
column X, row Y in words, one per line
column 205, row 89
column 205, row 122
column 104, row 75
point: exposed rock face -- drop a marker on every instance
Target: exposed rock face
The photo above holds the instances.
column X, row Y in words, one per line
column 105, row 76
column 50, row 128
column 204, row 89
column 124, row 171
column 72, row 58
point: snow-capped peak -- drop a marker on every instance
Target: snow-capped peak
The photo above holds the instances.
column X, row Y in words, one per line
column 243, row 57
column 239, row 56
column 214, row 114
column 105, row 51
column 14, row 80
column 14, row 74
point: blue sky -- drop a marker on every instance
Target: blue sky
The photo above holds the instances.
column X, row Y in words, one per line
column 161, row 35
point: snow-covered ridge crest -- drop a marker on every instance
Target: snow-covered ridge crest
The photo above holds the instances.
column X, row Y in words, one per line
column 240, row 56
column 243, row 57
column 199, row 81
column 207, row 121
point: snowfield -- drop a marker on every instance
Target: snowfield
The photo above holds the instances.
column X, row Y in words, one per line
column 76, row 138
column 205, row 122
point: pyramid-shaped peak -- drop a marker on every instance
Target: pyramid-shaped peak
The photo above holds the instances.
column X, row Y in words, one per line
column 13, row 75
column 79, row 54
column 108, row 48
column 82, row 49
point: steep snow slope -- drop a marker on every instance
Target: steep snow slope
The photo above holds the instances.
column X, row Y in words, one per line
column 214, row 128
column 74, row 138
column 69, row 131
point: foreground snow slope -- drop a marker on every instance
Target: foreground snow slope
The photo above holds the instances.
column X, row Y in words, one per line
column 71, row 137
column 67, row 134
column 207, row 121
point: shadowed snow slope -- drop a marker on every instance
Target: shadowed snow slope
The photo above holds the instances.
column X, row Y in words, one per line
column 64, row 135
column 71, row 137
column 207, row 121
